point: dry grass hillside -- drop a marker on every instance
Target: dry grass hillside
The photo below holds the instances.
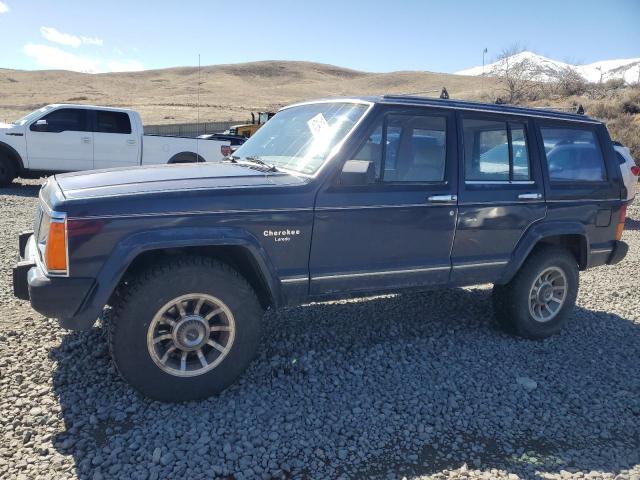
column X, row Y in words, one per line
column 230, row 92
column 227, row 91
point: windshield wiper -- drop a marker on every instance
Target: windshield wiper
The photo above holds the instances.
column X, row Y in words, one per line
column 260, row 161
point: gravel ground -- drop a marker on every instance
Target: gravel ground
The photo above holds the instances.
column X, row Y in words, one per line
column 409, row 386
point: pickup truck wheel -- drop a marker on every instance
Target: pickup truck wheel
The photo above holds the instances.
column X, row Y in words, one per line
column 185, row 329
column 539, row 299
column 7, row 171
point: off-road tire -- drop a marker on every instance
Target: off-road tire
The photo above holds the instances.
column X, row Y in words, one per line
column 7, row 171
column 511, row 301
column 139, row 299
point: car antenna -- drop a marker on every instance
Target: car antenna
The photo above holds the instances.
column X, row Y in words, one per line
column 580, row 110
column 198, row 113
column 444, row 95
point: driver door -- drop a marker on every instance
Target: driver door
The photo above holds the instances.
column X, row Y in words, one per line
column 65, row 143
column 397, row 232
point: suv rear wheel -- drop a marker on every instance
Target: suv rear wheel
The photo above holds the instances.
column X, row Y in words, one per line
column 185, row 329
column 537, row 302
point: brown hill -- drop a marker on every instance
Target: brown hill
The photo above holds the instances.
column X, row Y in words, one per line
column 226, row 91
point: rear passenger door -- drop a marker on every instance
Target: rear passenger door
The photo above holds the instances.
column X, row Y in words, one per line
column 501, row 193
column 115, row 142
column 398, row 231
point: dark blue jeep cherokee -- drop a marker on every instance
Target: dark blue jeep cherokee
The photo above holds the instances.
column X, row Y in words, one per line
column 332, row 198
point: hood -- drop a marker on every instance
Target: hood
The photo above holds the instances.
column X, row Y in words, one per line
column 168, row 178
column 10, row 126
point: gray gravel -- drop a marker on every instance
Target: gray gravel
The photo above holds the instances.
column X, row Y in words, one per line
column 419, row 385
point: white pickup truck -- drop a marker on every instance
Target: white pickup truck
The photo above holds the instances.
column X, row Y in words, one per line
column 65, row 138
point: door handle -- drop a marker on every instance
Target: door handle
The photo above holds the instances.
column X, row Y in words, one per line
column 86, row 139
column 442, row 198
column 530, row 196
column 131, row 142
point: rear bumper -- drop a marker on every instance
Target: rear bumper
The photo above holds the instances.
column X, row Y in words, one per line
column 55, row 297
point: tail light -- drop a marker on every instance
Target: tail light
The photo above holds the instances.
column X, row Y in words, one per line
column 225, row 150
column 621, row 219
column 55, row 253
column 635, row 170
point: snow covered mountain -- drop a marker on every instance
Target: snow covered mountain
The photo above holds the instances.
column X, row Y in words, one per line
column 545, row 68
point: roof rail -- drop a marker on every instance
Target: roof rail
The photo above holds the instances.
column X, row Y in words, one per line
column 579, row 110
column 444, row 94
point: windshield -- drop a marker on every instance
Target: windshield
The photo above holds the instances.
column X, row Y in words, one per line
column 301, row 138
column 32, row 116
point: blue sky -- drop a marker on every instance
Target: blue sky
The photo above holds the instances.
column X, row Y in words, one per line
column 379, row 36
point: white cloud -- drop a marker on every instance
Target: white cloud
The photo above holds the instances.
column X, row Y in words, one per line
column 74, row 41
column 55, row 36
column 56, row 58
column 92, row 41
column 4, row 8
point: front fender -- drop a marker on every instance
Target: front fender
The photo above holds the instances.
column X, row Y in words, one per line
column 135, row 244
column 535, row 234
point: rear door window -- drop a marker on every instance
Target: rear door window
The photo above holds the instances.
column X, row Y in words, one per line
column 495, row 151
column 573, row 155
column 112, row 122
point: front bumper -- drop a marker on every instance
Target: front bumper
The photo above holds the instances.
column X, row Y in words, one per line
column 55, row 297
column 618, row 252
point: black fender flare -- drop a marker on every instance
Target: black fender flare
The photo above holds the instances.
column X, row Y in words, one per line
column 177, row 157
column 129, row 248
column 535, row 235
column 14, row 153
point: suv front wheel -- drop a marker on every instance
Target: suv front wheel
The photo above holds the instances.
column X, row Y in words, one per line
column 537, row 302
column 184, row 329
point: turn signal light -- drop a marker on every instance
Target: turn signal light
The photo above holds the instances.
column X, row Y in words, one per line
column 621, row 219
column 56, row 248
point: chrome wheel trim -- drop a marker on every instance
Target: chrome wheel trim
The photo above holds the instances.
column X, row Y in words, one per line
column 548, row 294
column 191, row 334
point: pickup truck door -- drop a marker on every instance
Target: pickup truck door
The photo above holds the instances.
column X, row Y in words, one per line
column 397, row 232
column 501, row 194
column 115, row 142
column 63, row 143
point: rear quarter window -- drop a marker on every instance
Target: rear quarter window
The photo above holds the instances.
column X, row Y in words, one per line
column 573, row 155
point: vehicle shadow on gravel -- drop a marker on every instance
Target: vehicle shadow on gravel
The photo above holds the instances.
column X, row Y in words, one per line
column 390, row 386
column 20, row 190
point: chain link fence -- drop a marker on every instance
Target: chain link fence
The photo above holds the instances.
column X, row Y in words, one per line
column 190, row 129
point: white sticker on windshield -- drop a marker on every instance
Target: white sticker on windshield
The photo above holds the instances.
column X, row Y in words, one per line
column 318, row 124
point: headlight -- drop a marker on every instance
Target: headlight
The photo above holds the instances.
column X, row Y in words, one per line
column 52, row 242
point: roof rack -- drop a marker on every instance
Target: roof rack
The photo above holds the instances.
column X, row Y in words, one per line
column 561, row 112
column 579, row 110
column 444, row 94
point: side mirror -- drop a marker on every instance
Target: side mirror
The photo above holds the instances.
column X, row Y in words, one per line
column 358, row 172
column 40, row 126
